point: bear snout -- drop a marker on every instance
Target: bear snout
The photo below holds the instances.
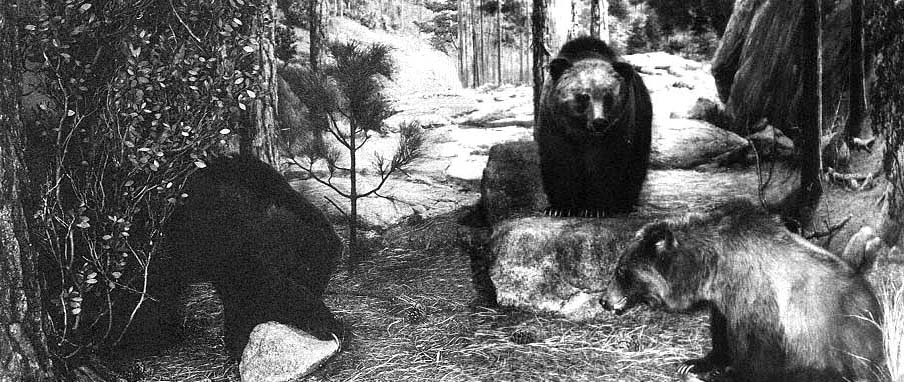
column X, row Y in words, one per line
column 599, row 125
column 617, row 304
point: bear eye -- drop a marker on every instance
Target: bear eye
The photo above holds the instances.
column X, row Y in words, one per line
column 582, row 101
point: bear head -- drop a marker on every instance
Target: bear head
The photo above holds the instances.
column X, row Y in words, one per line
column 658, row 269
column 593, row 95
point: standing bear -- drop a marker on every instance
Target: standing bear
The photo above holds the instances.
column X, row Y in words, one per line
column 593, row 131
column 268, row 252
column 782, row 309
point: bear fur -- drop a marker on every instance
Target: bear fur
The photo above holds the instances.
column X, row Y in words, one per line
column 268, row 251
column 782, row 308
column 593, row 131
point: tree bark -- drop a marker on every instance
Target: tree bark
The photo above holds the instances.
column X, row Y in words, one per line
column 24, row 355
column 314, row 21
column 810, row 110
column 475, row 48
column 856, row 103
column 540, row 54
column 498, row 42
column 595, row 18
column 462, row 76
column 604, row 20
column 263, row 130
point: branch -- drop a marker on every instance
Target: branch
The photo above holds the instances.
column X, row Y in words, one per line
column 383, row 178
column 363, row 141
column 830, row 230
column 334, row 130
column 192, row 34
column 856, row 182
column 336, row 205
column 328, row 183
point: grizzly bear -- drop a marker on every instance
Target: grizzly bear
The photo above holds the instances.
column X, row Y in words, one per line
column 593, row 131
column 268, row 251
column 782, row 308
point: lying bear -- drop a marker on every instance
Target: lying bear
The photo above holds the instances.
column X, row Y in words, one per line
column 782, row 308
column 268, row 252
column 593, row 131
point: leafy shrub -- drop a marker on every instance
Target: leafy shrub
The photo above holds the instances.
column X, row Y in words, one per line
column 137, row 95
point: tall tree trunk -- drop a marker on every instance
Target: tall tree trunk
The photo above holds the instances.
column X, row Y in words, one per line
column 354, row 254
column 483, row 43
column 558, row 24
column 572, row 28
column 460, row 28
column 314, row 22
column 856, row 103
column 521, row 55
column 595, row 18
column 262, row 136
column 604, row 20
column 24, row 355
column 810, row 109
column 475, row 48
column 498, row 42
column 540, row 54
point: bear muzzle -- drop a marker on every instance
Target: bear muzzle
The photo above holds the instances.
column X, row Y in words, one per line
column 615, row 303
column 599, row 125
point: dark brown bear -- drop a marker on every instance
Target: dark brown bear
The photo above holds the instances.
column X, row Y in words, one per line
column 268, row 251
column 782, row 308
column 593, row 131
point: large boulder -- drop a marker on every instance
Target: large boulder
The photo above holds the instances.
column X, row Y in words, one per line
column 511, row 181
column 558, row 265
column 685, row 143
column 757, row 66
column 280, row 353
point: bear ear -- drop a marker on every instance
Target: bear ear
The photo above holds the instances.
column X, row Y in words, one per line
column 625, row 69
column 666, row 242
column 558, row 66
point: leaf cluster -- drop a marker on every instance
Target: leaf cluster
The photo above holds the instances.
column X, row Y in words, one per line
column 132, row 95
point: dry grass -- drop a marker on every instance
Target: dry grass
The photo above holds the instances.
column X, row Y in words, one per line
column 891, row 295
column 410, row 307
column 411, row 310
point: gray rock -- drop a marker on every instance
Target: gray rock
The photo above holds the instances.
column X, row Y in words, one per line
column 710, row 111
column 771, row 143
column 685, row 143
column 558, row 265
column 511, row 181
column 277, row 353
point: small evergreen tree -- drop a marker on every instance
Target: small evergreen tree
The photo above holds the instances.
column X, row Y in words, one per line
column 345, row 100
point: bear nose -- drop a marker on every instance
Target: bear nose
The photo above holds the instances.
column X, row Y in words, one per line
column 599, row 124
column 618, row 307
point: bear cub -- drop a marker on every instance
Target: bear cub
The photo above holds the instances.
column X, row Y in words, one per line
column 593, row 131
column 782, row 309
